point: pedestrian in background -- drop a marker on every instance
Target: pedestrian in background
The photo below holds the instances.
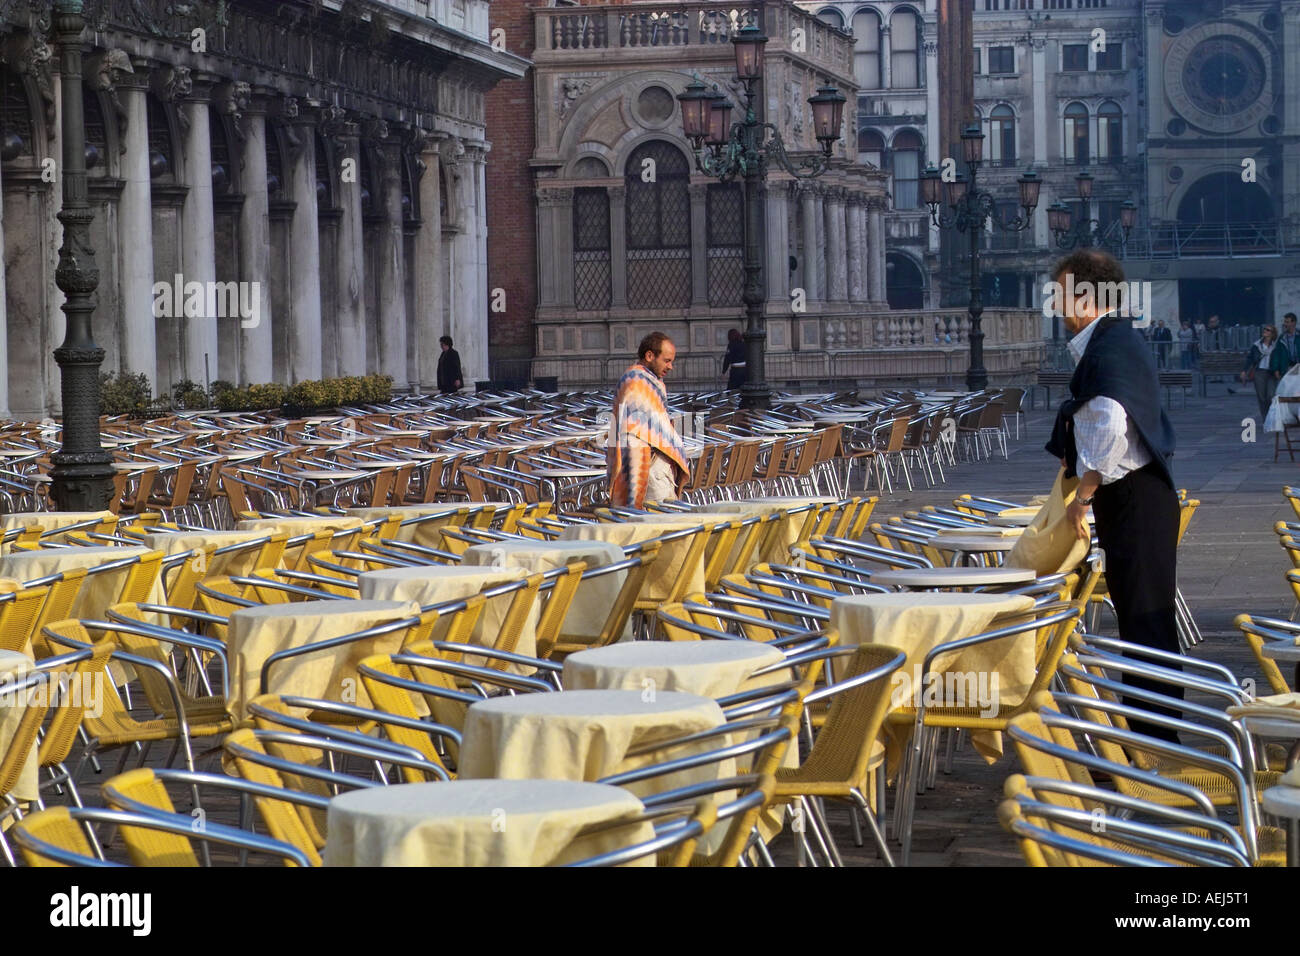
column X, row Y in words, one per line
column 1259, row 369
column 733, row 363
column 449, row 373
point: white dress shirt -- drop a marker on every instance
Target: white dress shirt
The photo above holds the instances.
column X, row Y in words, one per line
column 1104, row 435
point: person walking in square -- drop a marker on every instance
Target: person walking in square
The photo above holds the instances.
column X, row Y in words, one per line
column 1259, row 370
column 1113, row 434
column 734, row 360
column 1287, row 352
column 449, row 371
column 646, row 458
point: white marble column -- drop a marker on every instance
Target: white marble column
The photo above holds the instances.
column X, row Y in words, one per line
column 853, row 211
column 138, row 347
column 304, row 246
column 479, row 367
column 198, row 247
column 777, row 272
column 350, row 257
column 462, row 316
column 819, row 236
column 699, row 199
column 836, row 264
column 886, row 54
column 429, row 319
column 255, row 341
column 392, row 266
column 1042, row 125
column 810, row 264
column 617, row 246
column 876, row 253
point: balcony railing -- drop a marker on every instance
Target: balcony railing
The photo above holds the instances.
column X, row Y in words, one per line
column 1177, row 240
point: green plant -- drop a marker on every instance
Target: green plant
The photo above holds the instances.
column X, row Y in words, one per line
column 124, row 394
column 189, row 395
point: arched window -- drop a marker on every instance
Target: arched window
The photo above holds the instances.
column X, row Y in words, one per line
column 907, row 169
column 871, row 147
column 1110, row 133
column 905, row 50
column 591, row 249
column 1076, row 134
column 833, row 17
column 726, row 238
column 866, row 49
column 658, row 228
column 1002, row 136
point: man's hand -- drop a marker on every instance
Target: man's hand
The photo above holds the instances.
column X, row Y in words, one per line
column 1076, row 514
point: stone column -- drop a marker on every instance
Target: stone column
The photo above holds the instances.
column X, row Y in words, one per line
column 886, row 54
column 392, row 266
column 549, row 261
column 4, row 322
column 854, row 229
column 819, row 237
column 836, row 271
column 198, row 248
column 255, row 340
column 138, row 348
column 304, row 245
column 876, row 253
column 429, row 318
column 618, row 246
column 350, row 256
column 777, row 272
column 699, row 193
column 1042, row 125
column 467, row 318
column 478, row 154
column 810, row 265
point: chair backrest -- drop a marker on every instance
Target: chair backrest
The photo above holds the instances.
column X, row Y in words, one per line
column 1256, row 635
column 53, row 837
column 31, row 692
column 563, row 588
column 70, row 705
column 18, row 617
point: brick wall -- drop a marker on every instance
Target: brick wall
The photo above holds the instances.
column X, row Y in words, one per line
column 511, row 212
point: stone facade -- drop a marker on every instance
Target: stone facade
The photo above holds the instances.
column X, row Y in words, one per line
column 323, row 161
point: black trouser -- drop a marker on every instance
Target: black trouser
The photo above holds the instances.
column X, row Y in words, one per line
column 1137, row 527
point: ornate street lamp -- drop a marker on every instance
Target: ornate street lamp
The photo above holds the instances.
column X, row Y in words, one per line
column 1087, row 231
column 969, row 207
column 82, row 476
column 727, row 150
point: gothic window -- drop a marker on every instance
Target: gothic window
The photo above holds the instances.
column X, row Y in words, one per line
column 1076, row 134
column 905, row 50
column 726, row 239
column 907, row 169
column 833, row 17
column 866, row 49
column 1110, row 133
column 871, row 147
column 1002, row 138
column 658, row 228
column 590, row 249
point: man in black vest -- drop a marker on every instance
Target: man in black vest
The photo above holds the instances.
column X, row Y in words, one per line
column 1113, row 433
column 449, row 373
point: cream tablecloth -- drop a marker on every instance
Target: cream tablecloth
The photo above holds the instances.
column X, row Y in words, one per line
column 706, row 668
column 672, row 555
column 237, row 563
column 479, row 823
column 14, row 665
column 425, row 533
column 298, row 525
column 255, row 633
column 97, row 592
column 594, row 598
column 915, row 623
column 436, row 584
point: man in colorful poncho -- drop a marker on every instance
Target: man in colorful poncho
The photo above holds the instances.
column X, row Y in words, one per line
column 646, row 459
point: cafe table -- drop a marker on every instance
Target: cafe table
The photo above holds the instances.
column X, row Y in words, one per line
column 918, row 622
column 672, row 555
column 440, row 583
column 296, row 525
column 98, row 590
column 51, row 520
column 481, row 823
column 240, row 562
column 557, row 478
column 14, row 665
column 586, row 735
column 708, row 668
column 1284, row 801
column 424, row 533
column 927, row 579
column 593, row 600
column 963, row 545
column 255, row 633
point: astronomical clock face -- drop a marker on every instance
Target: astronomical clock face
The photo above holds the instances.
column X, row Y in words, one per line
column 1218, row 78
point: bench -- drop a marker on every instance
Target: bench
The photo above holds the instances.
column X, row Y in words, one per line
column 1045, row 381
column 1220, row 366
column 1171, row 379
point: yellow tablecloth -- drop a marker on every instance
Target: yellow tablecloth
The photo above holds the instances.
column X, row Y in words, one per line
column 706, row 668
column 49, row 520
column 918, row 622
column 1050, row 545
column 788, row 527
column 594, row 598
column 667, row 565
column 97, row 592
column 479, row 823
column 238, row 563
column 255, row 633
column 425, row 533
column 297, row 525
column 436, row 584
column 14, row 665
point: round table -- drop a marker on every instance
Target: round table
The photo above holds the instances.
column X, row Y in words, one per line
column 708, row 668
column 1283, row 801
column 583, row 735
column 479, row 823
column 1014, row 520
column 963, row 546
column 930, row 578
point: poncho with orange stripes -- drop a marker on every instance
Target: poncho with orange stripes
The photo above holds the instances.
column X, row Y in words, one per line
column 641, row 427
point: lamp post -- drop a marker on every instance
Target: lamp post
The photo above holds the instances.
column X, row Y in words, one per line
column 82, row 476
column 1087, row 231
column 726, row 150
column 969, row 208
